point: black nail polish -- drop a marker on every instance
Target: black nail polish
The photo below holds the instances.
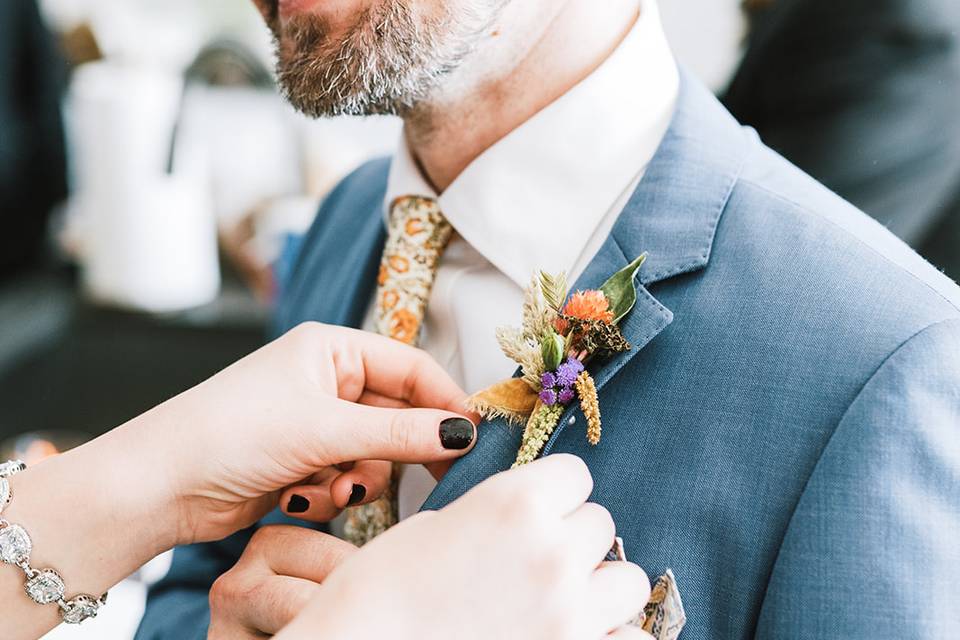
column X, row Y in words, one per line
column 298, row 504
column 456, row 433
column 357, row 495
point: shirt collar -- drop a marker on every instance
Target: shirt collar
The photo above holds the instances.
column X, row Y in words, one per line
column 533, row 200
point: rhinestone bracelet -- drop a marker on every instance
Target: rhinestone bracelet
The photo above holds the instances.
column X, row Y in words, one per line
column 44, row 586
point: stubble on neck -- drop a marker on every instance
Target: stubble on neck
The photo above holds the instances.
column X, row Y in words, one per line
column 519, row 68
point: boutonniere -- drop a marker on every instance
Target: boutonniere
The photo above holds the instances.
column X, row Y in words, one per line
column 561, row 334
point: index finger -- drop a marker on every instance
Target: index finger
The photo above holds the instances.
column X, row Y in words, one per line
column 367, row 362
column 298, row 552
column 558, row 484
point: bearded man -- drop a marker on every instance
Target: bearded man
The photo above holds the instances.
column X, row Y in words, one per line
column 783, row 434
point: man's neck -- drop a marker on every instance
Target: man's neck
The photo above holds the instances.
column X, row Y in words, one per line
column 507, row 82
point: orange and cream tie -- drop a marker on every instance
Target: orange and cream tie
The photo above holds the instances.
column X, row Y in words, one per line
column 417, row 234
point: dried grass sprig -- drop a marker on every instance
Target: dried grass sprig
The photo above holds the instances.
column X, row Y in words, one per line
column 555, row 289
column 525, row 352
column 537, row 316
column 590, row 405
column 541, row 425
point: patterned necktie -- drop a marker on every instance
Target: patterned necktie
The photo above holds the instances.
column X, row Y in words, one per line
column 417, row 234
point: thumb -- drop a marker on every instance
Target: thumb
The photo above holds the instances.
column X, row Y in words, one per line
column 360, row 432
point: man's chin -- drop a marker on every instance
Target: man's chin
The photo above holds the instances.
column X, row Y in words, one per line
column 287, row 9
column 330, row 11
column 362, row 57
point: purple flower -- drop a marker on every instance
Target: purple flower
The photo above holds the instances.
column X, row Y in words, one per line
column 566, row 375
column 548, row 397
column 548, row 380
column 566, row 395
column 568, row 371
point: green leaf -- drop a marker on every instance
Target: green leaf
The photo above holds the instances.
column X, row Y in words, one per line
column 621, row 289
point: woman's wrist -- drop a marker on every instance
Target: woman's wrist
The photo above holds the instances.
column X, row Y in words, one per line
column 101, row 491
column 158, row 456
column 140, row 469
column 94, row 515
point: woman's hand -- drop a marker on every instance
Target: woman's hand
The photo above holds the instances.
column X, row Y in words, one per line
column 519, row 556
column 300, row 411
column 279, row 573
column 221, row 455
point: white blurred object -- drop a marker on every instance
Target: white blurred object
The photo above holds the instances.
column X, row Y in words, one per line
column 269, row 166
column 278, row 220
column 249, row 145
column 706, row 37
column 147, row 239
column 333, row 147
column 118, row 620
column 260, row 149
column 156, row 569
column 144, row 34
column 120, row 121
column 157, row 251
column 161, row 32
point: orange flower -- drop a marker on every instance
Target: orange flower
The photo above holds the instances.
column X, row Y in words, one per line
column 413, row 226
column 404, row 326
column 399, row 264
column 589, row 305
column 586, row 305
column 390, row 299
column 383, row 275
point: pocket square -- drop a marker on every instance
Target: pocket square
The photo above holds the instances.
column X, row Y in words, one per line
column 663, row 616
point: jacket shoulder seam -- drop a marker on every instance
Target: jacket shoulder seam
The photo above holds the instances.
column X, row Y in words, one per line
column 886, row 259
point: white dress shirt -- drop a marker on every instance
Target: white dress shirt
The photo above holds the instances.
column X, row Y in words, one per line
column 545, row 197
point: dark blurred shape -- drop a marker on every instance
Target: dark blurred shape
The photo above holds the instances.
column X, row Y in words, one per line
column 942, row 245
column 757, row 5
column 33, row 176
column 865, row 96
column 75, row 370
column 229, row 63
column 33, row 448
column 80, row 45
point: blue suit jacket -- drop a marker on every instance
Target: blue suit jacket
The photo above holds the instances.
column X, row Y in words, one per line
column 785, row 435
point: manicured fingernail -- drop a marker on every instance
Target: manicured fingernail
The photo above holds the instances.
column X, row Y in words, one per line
column 298, row 504
column 456, row 433
column 357, row 495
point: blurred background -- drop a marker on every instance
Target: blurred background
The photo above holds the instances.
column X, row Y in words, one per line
column 154, row 186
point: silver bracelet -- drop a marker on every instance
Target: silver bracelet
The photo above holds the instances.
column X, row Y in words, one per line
column 44, row 586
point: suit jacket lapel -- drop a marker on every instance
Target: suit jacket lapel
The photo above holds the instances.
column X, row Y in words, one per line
column 497, row 441
column 672, row 216
column 644, row 323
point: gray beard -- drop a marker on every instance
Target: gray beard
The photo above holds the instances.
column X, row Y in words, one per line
column 388, row 63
